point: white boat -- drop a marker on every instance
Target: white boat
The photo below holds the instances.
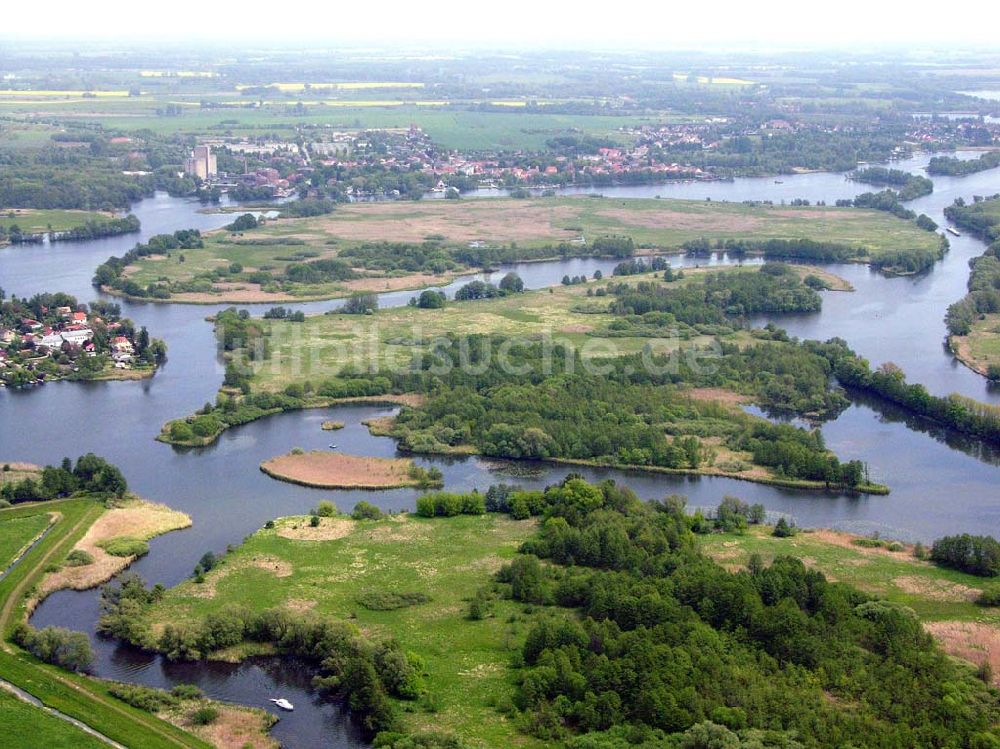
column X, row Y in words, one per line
column 283, row 703
column 333, row 447
column 952, row 231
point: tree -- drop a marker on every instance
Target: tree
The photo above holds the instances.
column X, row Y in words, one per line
column 511, row 284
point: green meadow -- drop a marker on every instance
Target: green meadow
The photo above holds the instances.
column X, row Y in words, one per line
column 333, row 570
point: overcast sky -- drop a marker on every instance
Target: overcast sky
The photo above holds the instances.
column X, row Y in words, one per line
column 666, row 23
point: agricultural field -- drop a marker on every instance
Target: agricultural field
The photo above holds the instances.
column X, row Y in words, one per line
column 347, row 570
column 523, row 229
column 942, row 598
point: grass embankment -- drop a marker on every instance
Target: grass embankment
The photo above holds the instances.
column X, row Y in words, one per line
column 17, row 534
column 72, row 694
column 944, row 599
column 24, row 725
column 329, row 470
column 522, row 227
column 344, row 568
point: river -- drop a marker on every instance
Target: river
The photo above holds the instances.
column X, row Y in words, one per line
column 941, row 483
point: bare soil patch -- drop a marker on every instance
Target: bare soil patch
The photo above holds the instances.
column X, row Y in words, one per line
column 332, row 470
column 975, row 642
column 329, row 529
column 461, row 222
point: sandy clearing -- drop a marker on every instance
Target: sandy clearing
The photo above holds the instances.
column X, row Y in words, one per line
column 846, row 540
column 333, row 470
column 139, row 519
column 329, row 529
column 975, row 642
column 237, row 727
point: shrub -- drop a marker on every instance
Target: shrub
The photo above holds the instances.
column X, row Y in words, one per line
column 326, row 509
column 204, row 716
column 145, row 698
column 367, row 511
column 56, row 645
column 388, row 600
column 78, row 558
column 187, row 692
column 783, row 529
column 314, row 521
column 125, row 546
column 989, row 596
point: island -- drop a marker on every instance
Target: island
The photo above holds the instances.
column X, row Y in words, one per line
column 375, row 247
column 334, row 470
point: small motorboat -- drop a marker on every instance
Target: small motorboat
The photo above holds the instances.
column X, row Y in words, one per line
column 332, row 447
column 283, row 703
column 952, row 231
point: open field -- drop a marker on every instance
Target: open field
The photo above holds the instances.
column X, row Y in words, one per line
column 451, row 125
column 447, row 559
column 32, row 220
column 942, row 598
column 18, row 472
column 332, row 470
column 662, row 224
column 531, row 225
column 80, row 697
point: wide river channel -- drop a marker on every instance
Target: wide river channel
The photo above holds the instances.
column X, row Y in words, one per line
column 941, row 482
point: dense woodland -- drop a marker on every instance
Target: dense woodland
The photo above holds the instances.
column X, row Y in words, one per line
column 956, row 167
column 907, row 186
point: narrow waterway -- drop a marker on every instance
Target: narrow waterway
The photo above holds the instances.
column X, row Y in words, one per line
column 941, row 482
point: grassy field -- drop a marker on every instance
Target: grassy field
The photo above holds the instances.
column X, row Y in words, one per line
column 325, row 570
column 981, row 348
column 38, row 220
column 942, row 598
column 23, row 725
column 531, row 224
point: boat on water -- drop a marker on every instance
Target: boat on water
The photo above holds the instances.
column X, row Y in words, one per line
column 332, row 447
column 283, row 703
column 779, row 182
column 952, row 231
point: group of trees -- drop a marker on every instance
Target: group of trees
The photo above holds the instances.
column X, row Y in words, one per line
column 955, row 167
column 111, row 272
column 91, row 474
column 97, row 228
column 665, row 646
column 908, row 186
column 547, row 405
column 977, row 555
column 958, row 412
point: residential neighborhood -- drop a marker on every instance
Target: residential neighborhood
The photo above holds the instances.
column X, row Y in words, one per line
column 51, row 337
